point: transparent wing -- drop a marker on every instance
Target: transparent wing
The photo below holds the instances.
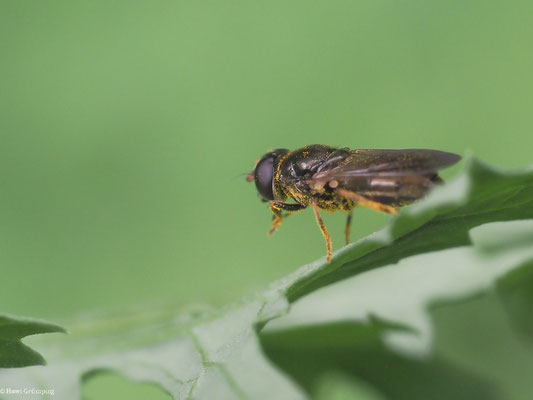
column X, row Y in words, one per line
column 393, row 177
column 387, row 164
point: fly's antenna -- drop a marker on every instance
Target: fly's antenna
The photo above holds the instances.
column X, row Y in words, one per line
column 249, row 176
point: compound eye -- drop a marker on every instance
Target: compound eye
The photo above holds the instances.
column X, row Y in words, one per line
column 263, row 174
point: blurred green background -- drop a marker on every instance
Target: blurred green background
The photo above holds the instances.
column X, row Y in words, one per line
column 126, row 127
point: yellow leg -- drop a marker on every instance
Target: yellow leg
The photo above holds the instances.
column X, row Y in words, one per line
column 276, row 219
column 364, row 202
column 323, row 230
column 277, row 207
column 348, row 225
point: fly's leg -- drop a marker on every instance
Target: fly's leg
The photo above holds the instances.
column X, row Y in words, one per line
column 323, row 230
column 276, row 219
column 367, row 203
column 348, row 225
column 277, row 207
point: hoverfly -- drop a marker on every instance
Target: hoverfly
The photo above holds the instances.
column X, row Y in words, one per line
column 330, row 179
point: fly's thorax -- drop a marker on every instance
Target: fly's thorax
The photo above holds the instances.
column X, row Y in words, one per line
column 294, row 171
column 299, row 165
column 332, row 202
column 309, row 159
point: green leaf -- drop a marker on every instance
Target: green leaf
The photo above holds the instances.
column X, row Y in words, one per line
column 13, row 353
column 336, row 328
column 336, row 386
column 516, row 294
column 477, row 336
column 309, row 353
column 205, row 354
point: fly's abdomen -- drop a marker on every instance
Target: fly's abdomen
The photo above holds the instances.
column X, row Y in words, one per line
column 397, row 191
